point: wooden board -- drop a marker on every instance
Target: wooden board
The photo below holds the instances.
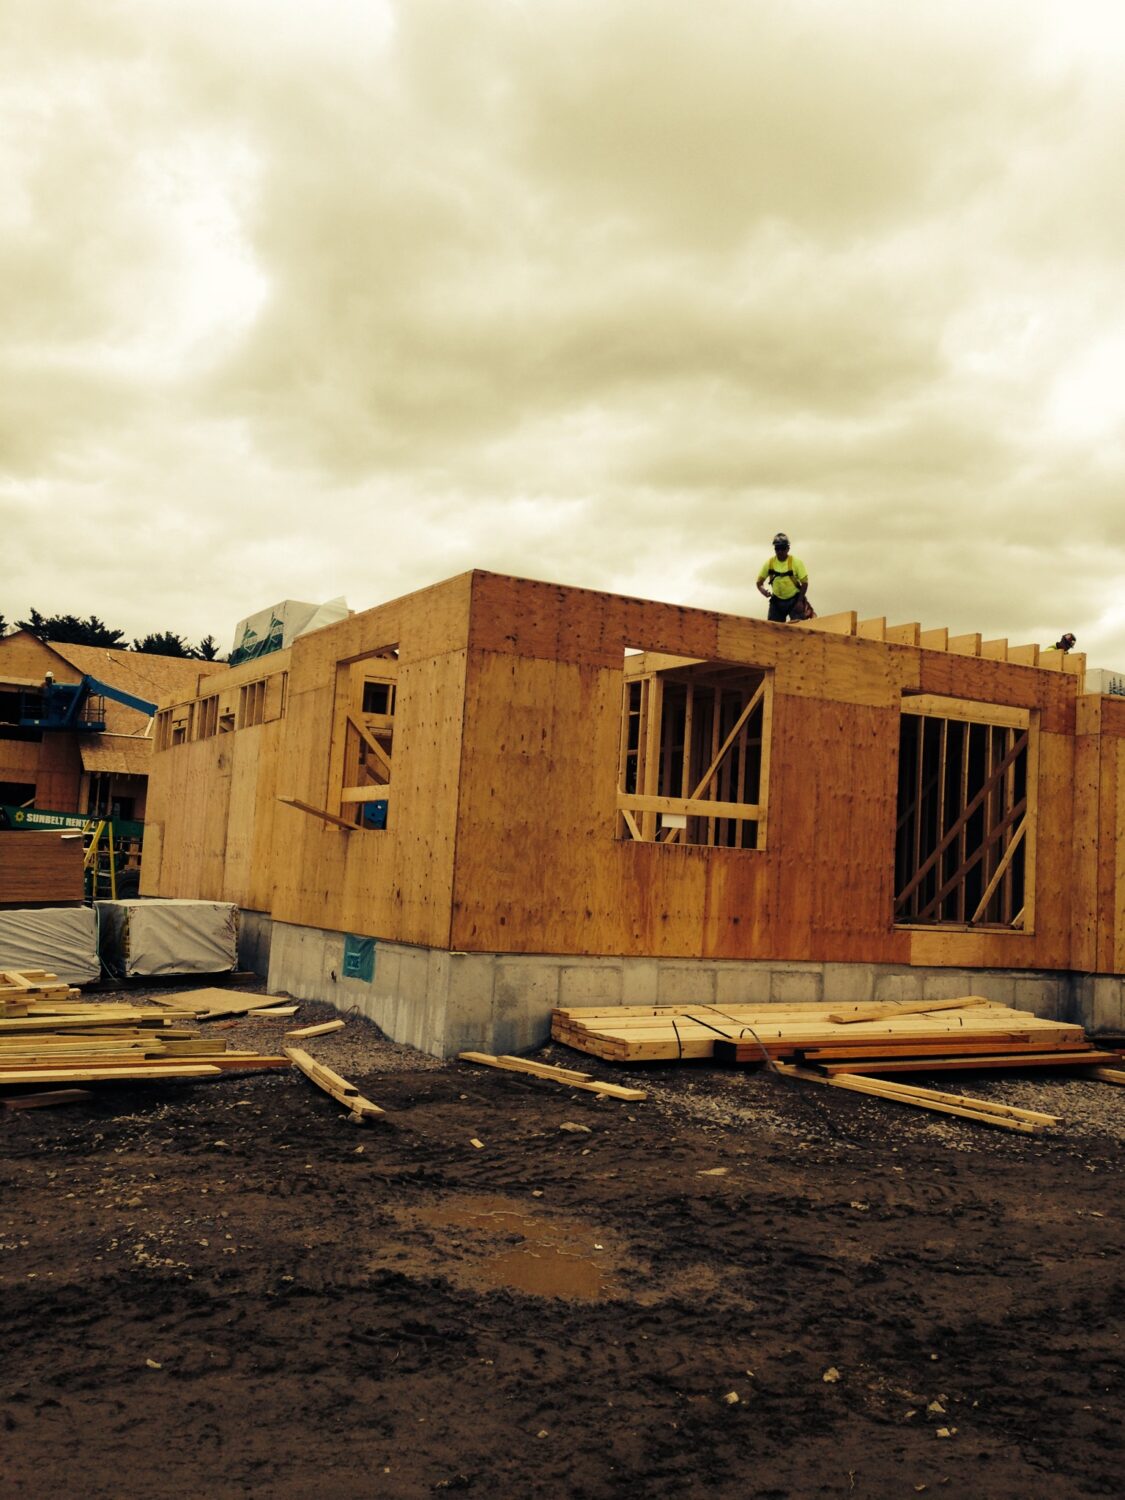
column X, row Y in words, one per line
column 564, row 1076
column 338, row 1088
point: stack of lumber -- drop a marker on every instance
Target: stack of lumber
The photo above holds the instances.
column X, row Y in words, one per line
column 50, row 1036
column 40, row 868
column 21, row 988
column 969, row 1032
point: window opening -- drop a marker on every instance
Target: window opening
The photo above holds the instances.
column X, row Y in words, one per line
column 366, row 693
column 208, row 717
column 694, row 752
column 966, row 814
column 178, row 725
column 251, row 703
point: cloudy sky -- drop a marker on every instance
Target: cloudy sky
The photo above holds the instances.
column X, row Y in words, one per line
column 300, row 300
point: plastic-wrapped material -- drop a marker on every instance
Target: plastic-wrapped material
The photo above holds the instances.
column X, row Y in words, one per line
column 1101, row 680
column 168, row 937
column 276, row 628
column 61, row 939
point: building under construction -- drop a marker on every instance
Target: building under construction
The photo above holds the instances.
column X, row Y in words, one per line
column 464, row 807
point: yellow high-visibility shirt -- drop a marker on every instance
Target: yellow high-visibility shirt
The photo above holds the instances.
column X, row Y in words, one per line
column 782, row 575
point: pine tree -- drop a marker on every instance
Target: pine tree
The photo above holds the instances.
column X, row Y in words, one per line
column 163, row 643
column 69, row 630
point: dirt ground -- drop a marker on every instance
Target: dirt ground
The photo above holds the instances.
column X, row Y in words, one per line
column 744, row 1286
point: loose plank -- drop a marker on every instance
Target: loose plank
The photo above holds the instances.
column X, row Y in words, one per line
column 322, row 1030
column 564, row 1076
column 871, row 1086
column 338, row 1088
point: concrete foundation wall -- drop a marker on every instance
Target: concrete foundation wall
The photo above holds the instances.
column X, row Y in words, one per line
column 254, row 931
column 444, row 1003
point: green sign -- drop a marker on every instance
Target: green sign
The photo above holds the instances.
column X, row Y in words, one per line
column 359, row 958
column 39, row 818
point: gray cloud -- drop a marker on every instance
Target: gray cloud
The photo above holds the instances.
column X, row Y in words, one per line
column 302, row 300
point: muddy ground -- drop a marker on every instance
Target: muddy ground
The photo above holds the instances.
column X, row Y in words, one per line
column 742, row 1287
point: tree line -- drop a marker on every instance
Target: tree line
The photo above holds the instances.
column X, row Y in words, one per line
column 69, row 630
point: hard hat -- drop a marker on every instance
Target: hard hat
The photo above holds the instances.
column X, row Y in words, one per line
column 781, row 539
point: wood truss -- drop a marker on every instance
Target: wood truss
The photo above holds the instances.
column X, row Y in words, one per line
column 694, row 752
column 964, row 842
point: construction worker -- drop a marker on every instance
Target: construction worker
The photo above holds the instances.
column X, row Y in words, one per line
column 1064, row 643
column 788, row 581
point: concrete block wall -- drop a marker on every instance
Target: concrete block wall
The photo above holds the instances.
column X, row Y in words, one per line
column 445, row 1003
column 1098, row 1002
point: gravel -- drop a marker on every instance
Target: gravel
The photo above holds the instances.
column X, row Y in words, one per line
column 1088, row 1109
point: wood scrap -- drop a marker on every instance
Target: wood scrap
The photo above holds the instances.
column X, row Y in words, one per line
column 46, row 1099
column 556, row 1075
column 322, row 1029
column 338, row 1088
column 1108, row 1075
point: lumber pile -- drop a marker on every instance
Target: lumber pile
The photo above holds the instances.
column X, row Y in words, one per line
column 967, row 1033
column 20, row 989
column 51, row 1036
column 40, row 868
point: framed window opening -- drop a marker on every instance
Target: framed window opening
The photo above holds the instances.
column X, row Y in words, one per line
column 208, row 717
column 366, row 700
column 694, row 761
column 251, row 703
column 173, row 726
column 967, row 806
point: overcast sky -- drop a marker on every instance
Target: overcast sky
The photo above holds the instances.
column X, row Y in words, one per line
column 305, row 299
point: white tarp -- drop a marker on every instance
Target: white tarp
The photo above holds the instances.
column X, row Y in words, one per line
column 168, row 937
column 61, row 939
column 1102, row 680
column 275, row 628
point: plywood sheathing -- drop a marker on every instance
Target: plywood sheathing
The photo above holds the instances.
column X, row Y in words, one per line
column 278, row 859
column 1098, row 869
column 502, row 829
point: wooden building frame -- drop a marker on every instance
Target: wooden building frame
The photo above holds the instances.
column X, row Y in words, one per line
column 564, row 772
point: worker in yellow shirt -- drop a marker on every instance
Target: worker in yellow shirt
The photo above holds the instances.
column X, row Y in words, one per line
column 1064, row 643
column 788, row 582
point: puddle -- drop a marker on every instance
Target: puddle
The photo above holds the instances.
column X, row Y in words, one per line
column 537, row 1255
column 546, row 1272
